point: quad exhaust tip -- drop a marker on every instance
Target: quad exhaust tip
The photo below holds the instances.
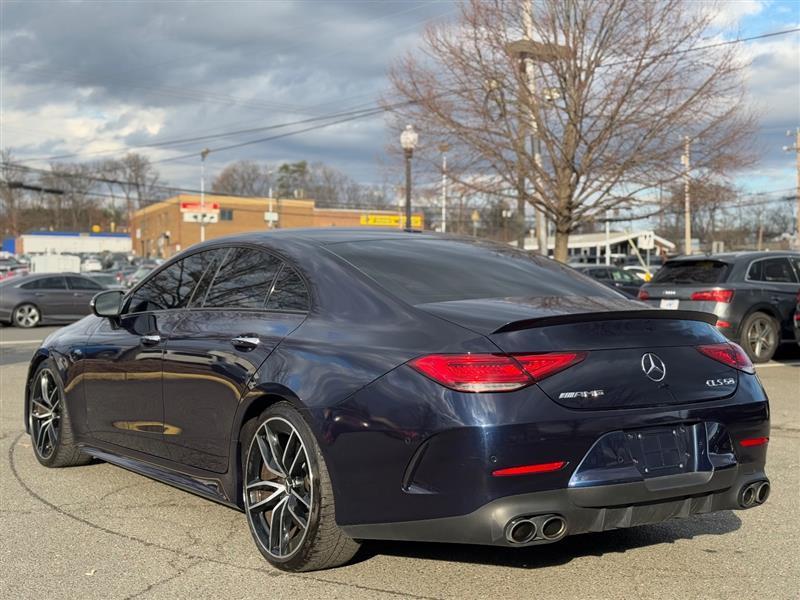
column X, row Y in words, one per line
column 754, row 494
column 523, row 530
column 554, row 528
column 520, row 531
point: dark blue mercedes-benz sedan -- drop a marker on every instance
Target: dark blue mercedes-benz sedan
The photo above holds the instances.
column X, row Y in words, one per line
column 344, row 385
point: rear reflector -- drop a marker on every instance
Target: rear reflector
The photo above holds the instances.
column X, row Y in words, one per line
column 493, row 372
column 713, row 295
column 757, row 441
column 729, row 353
column 643, row 295
column 529, row 469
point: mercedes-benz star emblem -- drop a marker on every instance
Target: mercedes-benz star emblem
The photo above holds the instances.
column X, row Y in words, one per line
column 653, row 367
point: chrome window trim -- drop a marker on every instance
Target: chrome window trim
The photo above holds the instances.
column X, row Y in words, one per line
column 763, row 258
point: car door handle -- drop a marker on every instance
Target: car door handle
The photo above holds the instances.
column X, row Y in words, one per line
column 151, row 340
column 247, row 342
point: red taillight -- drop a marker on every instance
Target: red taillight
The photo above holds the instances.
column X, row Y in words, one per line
column 729, row 354
column 756, row 441
column 473, row 372
column 540, row 366
column 643, row 295
column 529, row 469
column 493, row 372
column 724, row 324
column 713, row 296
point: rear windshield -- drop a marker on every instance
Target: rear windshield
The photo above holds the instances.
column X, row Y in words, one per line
column 691, row 272
column 430, row 270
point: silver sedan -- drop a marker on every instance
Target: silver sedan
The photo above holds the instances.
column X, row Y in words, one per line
column 31, row 300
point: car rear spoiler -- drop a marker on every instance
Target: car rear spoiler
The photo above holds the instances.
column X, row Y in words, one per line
column 616, row 315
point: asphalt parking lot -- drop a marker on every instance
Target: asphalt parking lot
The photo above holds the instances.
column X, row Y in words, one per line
column 102, row 532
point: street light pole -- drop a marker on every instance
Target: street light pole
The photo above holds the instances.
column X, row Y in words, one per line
column 529, row 51
column 205, row 152
column 687, row 202
column 796, row 149
column 408, row 140
column 443, row 148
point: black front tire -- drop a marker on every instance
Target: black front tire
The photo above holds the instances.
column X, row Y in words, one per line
column 49, row 424
column 324, row 545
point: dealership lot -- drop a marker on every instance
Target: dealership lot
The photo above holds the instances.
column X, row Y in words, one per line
column 102, row 532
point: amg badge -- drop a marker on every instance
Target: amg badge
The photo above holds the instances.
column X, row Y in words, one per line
column 586, row 394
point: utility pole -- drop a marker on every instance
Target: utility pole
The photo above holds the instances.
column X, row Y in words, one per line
column 530, row 80
column 796, row 149
column 687, row 202
column 443, row 148
column 205, row 152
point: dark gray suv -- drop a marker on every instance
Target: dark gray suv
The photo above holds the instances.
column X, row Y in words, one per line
column 753, row 294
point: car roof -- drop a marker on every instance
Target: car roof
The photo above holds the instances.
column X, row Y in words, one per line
column 735, row 256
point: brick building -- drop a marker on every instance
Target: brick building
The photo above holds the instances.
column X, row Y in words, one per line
column 167, row 227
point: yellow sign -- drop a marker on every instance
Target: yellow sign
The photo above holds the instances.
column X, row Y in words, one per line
column 95, row 228
column 390, row 220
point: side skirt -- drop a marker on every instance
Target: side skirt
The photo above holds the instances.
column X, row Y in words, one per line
column 210, row 489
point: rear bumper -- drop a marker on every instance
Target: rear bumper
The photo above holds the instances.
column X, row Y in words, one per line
column 584, row 510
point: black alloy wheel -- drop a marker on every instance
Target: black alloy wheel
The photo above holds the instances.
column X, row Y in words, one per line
column 288, row 497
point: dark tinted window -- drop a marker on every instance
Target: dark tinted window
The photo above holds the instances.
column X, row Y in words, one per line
column 46, row 283
column 173, row 286
column 289, row 292
column 601, row 274
column 431, row 270
column 243, row 280
column 81, row 283
column 691, row 271
column 774, row 270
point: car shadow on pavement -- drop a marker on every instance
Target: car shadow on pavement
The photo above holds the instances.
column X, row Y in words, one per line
column 559, row 553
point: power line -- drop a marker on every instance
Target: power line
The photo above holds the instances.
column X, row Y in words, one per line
column 707, row 46
column 187, row 140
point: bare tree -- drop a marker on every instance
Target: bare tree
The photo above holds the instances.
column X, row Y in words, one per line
column 243, row 178
column 140, row 185
column 610, row 87
column 12, row 195
column 74, row 206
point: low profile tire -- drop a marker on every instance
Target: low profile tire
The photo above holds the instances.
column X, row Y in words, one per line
column 288, row 497
column 48, row 421
column 760, row 337
column 27, row 316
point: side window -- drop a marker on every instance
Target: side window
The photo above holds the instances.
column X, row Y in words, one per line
column 46, row 283
column 795, row 260
column 243, row 280
column 80, row 283
column 622, row 276
column 773, row 270
column 289, row 291
column 756, row 271
column 173, row 286
column 601, row 274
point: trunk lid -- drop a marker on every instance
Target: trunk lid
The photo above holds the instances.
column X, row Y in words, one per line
column 636, row 356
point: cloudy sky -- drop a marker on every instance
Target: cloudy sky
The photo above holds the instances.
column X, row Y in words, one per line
column 97, row 78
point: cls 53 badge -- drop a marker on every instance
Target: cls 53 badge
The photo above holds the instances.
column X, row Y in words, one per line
column 720, row 382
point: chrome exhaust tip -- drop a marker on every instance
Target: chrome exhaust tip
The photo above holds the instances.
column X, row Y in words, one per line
column 762, row 492
column 554, row 528
column 520, row 531
column 747, row 497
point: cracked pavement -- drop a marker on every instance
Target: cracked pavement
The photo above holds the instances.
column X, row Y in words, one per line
column 102, row 532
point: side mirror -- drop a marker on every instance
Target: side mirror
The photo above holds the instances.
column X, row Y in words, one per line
column 108, row 303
